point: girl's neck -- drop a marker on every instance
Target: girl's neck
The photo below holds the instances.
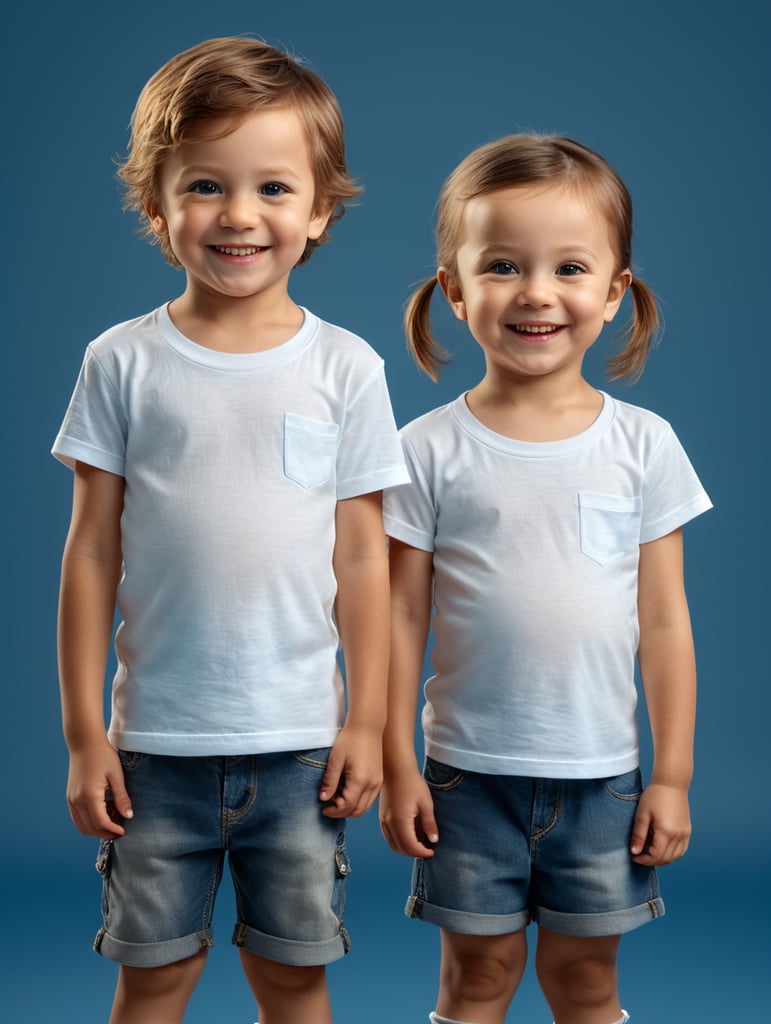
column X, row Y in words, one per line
column 540, row 410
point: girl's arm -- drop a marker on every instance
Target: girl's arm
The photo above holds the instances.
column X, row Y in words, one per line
column 668, row 668
column 355, row 770
column 91, row 569
column 406, row 806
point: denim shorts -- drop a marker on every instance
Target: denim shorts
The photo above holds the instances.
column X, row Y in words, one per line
column 288, row 862
column 514, row 849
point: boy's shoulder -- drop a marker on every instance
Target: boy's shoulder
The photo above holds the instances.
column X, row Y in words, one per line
column 138, row 328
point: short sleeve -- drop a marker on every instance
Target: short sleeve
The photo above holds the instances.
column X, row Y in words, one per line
column 409, row 511
column 94, row 430
column 672, row 492
column 369, row 456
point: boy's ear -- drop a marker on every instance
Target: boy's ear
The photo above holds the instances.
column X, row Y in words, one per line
column 452, row 292
column 156, row 219
column 318, row 223
column 618, row 288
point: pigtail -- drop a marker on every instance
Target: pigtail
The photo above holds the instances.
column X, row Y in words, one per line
column 425, row 349
column 642, row 335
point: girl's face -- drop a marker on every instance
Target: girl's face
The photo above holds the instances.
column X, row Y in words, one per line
column 536, row 279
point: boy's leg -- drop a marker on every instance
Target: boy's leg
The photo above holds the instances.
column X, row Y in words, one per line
column 479, row 975
column 156, row 995
column 287, row 994
column 579, row 978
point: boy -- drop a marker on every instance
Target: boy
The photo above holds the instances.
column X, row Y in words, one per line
column 229, row 452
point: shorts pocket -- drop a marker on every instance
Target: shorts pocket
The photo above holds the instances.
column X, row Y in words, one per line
column 609, row 525
column 310, row 449
column 441, row 776
column 627, row 786
column 316, row 758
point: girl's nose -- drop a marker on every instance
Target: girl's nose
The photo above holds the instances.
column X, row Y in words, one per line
column 536, row 290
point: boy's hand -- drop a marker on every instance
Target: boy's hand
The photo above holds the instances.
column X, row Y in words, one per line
column 96, row 792
column 407, row 816
column 662, row 827
column 354, row 773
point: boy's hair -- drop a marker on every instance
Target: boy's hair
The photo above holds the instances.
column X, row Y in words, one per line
column 528, row 160
column 231, row 78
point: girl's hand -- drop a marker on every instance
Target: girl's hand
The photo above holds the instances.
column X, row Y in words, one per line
column 96, row 792
column 407, row 816
column 354, row 773
column 662, row 825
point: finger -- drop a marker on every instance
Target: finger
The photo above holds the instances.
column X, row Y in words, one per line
column 642, row 835
column 332, row 780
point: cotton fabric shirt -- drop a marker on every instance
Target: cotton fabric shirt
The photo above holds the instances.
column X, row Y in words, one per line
column 233, row 466
column 535, row 554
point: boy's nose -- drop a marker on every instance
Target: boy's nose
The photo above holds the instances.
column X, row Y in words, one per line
column 239, row 212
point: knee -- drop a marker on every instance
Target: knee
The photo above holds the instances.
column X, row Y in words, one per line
column 583, row 981
column 480, row 978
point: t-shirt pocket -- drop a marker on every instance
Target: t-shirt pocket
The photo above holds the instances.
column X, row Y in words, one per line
column 310, row 449
column 609, row 525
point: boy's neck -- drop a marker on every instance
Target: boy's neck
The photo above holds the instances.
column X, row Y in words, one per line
column 241, row 326
column 538, row 410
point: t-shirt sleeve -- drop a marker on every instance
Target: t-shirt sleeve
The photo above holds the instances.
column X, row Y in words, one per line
column 672, row 492
column 94, row 428
column 409, row 511
column 369, row 456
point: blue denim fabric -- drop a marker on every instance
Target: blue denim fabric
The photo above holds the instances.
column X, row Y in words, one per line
column 288, row 862
column 514, row 849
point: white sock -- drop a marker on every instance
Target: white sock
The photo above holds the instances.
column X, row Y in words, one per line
column 623, row 1020
column 436, row 1019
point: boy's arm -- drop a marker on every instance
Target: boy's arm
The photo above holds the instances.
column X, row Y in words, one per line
column 406, row 806
column 352, row 780
column 668, row 669
column 91, row 568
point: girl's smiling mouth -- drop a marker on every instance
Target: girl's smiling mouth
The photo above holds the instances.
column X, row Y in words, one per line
column 536, row 332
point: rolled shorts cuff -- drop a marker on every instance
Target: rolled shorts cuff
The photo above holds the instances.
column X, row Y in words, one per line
column 614, row 922
column 464, row 922
column 151, row 954
column 291, row 951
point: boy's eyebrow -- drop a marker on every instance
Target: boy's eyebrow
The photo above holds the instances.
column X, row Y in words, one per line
column 215, row 169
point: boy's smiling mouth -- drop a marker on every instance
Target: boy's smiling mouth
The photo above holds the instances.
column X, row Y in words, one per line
column 239, row 250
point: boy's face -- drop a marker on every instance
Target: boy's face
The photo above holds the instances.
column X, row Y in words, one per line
column 238, row 210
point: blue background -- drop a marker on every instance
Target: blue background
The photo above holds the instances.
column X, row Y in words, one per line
column 675, row 95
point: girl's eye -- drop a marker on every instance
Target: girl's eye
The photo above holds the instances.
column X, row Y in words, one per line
column 570, row 269
column 204, row 188
column 503, row 267
column 273, row 189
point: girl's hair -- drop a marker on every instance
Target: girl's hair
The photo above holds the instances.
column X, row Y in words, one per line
column 529, row 160
column 231, row 78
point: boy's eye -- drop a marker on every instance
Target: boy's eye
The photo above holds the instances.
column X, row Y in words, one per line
column 204, row 188
column 570, row 269
column 503, row 267
column 273, row 189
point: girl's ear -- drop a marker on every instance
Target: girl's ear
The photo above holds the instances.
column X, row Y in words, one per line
column 452, row 292
column 618, row 288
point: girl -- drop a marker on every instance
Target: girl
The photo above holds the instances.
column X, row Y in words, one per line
column 544, row 519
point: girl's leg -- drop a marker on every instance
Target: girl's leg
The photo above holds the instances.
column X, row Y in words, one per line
column 287, row 994
column 479, row 975
column 156, row 995
column 578, row 977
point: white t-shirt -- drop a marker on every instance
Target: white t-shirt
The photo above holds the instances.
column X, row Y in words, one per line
column 535, row 552
column 233, row 465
